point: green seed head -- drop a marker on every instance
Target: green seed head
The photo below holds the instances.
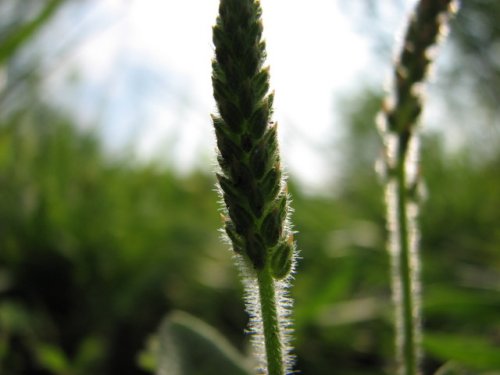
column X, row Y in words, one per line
column 250, row 179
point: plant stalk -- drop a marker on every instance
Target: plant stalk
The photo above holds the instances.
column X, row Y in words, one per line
column 398, row 125
column 270, row 322
column 402, row 210
column 409, row 278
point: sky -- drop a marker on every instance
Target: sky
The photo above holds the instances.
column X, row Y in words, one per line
column 141, row 70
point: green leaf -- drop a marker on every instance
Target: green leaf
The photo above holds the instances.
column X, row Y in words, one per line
column 23, row 34
column 90, row 352
column 15, row 319
column 452, row 368
column 473, row 351
column 455, row 303
column 188, row 346
column 147, row 358
column 52, row 358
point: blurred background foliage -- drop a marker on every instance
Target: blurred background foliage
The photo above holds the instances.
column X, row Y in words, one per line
column 95, row 249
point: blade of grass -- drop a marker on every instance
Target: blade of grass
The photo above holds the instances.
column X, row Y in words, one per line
column 20, row 36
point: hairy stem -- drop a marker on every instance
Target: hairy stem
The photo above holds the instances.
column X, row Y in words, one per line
column 398, row 125
column 406, row 277
column 270, row 322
